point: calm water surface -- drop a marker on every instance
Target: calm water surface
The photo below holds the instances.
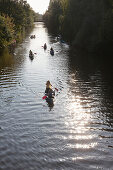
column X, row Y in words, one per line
column 76, row 132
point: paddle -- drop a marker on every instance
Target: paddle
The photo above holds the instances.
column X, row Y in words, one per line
column 56, row 89
column 44, row 97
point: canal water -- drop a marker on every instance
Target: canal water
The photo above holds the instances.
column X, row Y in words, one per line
column 76, row 130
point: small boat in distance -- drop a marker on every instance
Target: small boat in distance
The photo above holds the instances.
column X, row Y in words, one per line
column 51, row 51
column 32, row 36
column 45, row 46
column 31, row 55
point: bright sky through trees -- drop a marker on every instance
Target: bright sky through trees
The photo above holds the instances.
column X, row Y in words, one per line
column 39, row 6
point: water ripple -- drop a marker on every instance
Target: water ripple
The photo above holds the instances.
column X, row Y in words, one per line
column 75, row 133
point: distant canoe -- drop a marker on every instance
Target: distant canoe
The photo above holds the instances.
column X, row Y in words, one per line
column 52, row 52
column 62, row 41
column 31, row 56
column 32, row 36
column 45, row 46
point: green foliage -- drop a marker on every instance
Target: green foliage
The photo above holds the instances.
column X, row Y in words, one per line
column 20, row 11
column 85, row 23
column 106, row 30
column 22, row 15
column 6, row 31
column 51, row 17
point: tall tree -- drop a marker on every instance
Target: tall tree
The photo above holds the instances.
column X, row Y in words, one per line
column 85, row 23
column 6, row 31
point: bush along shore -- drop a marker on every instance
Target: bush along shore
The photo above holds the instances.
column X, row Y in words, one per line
column 83, row 24
column 16, row 17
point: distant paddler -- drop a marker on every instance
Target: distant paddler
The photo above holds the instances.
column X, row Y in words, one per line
column 51, row 51
column 45, row 46
column 31, row 54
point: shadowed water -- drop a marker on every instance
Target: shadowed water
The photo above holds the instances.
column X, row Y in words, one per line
column 76, row 132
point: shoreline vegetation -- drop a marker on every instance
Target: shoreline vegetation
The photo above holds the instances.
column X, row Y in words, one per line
column 85, row 25
column 16, row 18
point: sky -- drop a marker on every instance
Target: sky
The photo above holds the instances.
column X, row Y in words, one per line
column 39, row 6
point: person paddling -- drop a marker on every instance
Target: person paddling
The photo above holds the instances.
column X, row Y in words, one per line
column 30, row 52
column 51, row 51
column 48, row 86
column 45, row 46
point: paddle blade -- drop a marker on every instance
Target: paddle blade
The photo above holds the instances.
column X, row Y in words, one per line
column 56, row 89
column 44, row 97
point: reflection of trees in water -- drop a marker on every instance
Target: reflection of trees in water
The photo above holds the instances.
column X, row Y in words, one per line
column 11, row 60
column 9, row 69
column 9, row 65
column 6, row 68
column 6, row 59
column 84, row 63
column 90, row 78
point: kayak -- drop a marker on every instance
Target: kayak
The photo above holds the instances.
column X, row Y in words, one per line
column 45, row 47
column 50, row 98
column 52, row 52
column 31, row 56
column 50, row 102
column 62, row 41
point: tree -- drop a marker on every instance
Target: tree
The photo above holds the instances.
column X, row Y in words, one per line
column 51, row 16
column 87, row 23
column 6, row 31
column 20, row 13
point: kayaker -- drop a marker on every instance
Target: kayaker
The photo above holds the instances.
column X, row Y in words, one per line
column 48, row 86
column 30, row 52
column 45, row 46
column 51, row 51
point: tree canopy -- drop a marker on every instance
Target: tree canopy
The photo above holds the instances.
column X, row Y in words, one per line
column 87, row 23
column 15, row 16
column 6, row 31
